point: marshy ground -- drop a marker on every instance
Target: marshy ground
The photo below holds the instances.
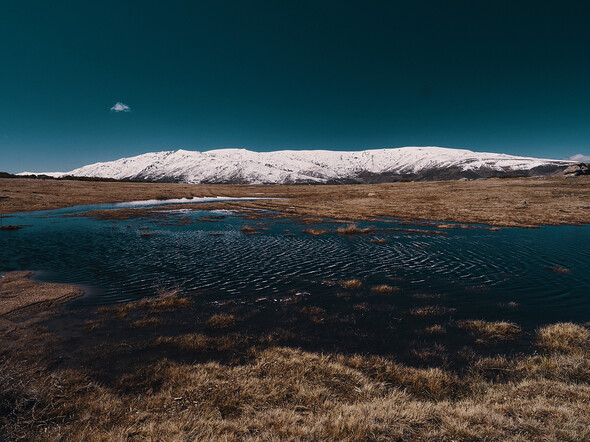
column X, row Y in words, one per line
column 367, row 361
column 353, row 366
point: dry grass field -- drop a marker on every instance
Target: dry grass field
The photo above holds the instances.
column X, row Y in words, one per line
column 176, row 368
column 523, row 202
column 223, row 382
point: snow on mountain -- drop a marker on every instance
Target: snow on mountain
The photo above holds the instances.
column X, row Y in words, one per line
column 51, row 174
column 315, row 166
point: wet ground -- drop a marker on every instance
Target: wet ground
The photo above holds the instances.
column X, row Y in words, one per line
column 383, row 288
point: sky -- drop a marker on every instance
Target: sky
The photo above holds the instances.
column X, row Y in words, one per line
column 83, row 81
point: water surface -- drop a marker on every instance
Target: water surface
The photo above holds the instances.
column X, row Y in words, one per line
column 476, row 271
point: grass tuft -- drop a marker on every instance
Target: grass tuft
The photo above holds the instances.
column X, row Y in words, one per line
column 564, row 337
column 384, row 289
column 351, row 284
column 488, row 332
column 353, row 229
column 435, row 329
column 430, row 310
column 221, row 320
column 202, row 343
column 166, row 300
column 315, row 232
column 249, row 230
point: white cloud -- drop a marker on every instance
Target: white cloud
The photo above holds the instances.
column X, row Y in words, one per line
column 120, row 107
column 579, row 157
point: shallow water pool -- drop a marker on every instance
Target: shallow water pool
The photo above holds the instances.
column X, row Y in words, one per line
column 545, row 272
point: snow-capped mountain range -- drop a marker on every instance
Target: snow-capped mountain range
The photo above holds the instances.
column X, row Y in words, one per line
column 315, row 166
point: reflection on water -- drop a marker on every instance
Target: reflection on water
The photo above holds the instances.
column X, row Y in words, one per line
column 545, row 271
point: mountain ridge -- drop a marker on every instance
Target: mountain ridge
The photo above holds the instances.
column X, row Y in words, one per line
column 241, row 166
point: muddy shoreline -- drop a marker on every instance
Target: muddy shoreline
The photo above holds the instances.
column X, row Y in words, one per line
column 21, row 296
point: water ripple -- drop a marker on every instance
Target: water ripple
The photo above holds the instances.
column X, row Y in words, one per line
column 474, row 266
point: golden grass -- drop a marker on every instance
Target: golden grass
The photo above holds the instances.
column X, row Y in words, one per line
column 351, row 284
column 315, row 232
column 309, row 221
column 146, row 322
column 495, row 202
column 221, row 320
column 316, row 314
column 271, row 392
column 486, row 332
column 384, row 289
column 166, row 300
column 564, row 337
column 249, row 230
column 202, row 343
column 430, row 310
column 353, row 229
column 510, row 305
column 285, row 393
column 435, row 329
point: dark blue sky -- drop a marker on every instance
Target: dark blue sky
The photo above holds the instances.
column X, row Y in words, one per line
column 499, row 76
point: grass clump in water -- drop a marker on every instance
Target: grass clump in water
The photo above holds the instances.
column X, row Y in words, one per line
column 249, row 230
column 486, row 332
column 315, row 232
column 430, row 310
column 353, row 229
column 351, row 284
column 384, row 289
column 166, row 300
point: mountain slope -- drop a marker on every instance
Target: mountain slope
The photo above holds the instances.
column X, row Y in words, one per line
column 316, row 166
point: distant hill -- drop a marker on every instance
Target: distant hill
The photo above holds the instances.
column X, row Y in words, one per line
column 240, row 166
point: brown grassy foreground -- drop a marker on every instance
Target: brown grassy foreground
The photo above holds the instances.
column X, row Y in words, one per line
column 501, row 202
column 286, row 393
column 221, row 382
column 290, row 394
